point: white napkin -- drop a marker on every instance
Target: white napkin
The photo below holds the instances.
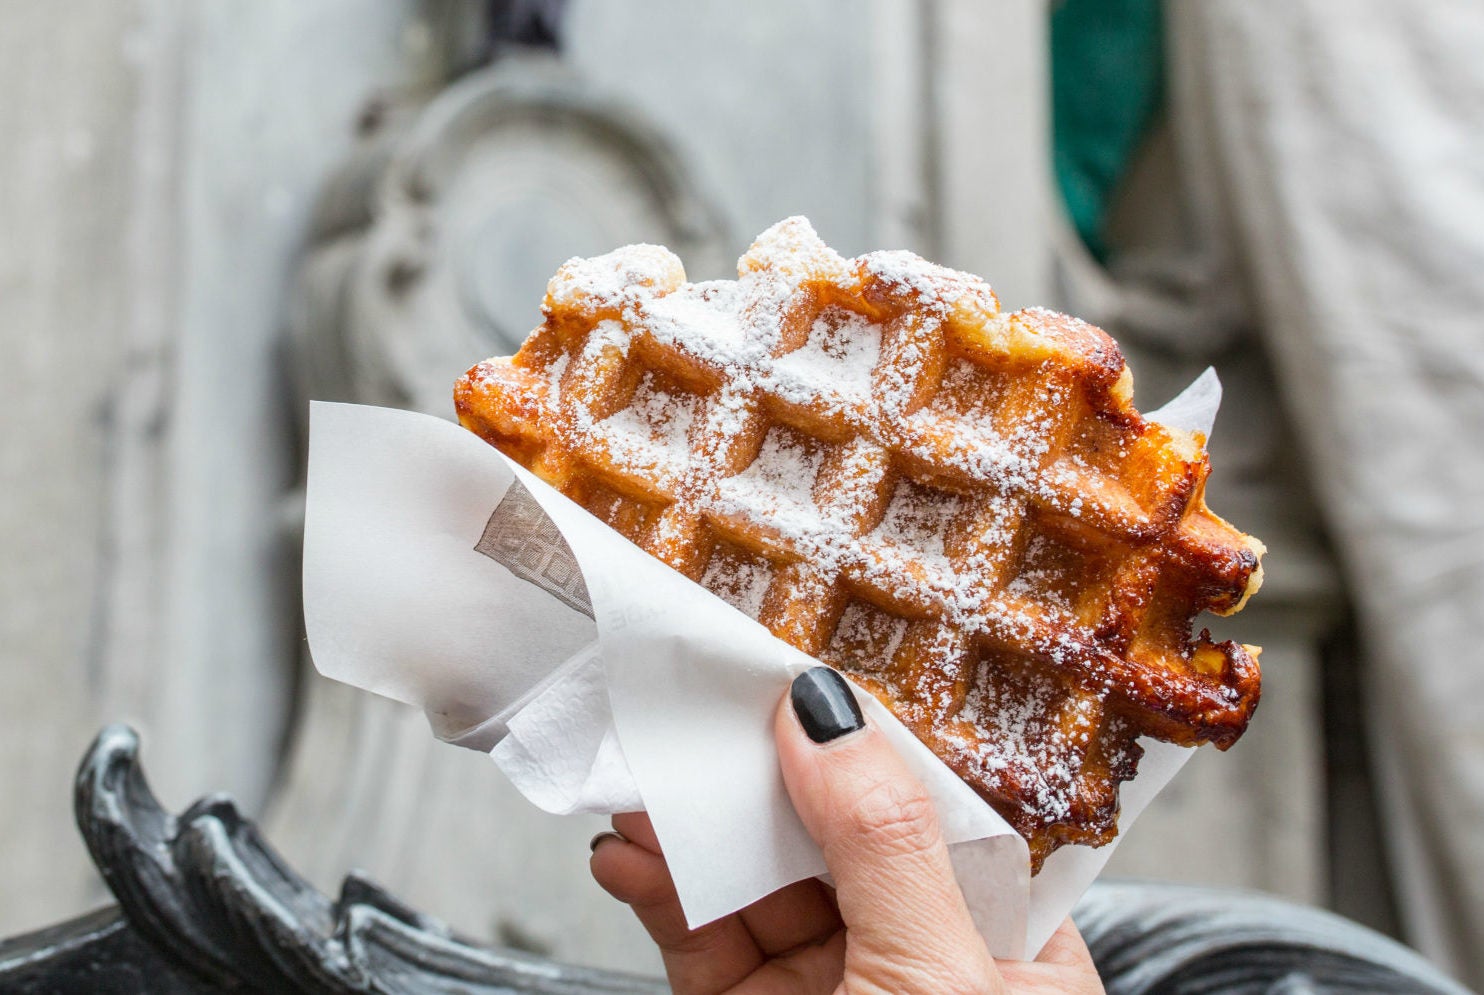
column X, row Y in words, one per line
column 439, row 573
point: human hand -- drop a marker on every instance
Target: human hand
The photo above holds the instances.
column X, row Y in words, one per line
column 895, row 921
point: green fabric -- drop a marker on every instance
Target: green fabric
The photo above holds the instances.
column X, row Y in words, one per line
column 1107, row 85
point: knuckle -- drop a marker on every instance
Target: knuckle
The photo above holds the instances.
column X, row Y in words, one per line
column 894, row 820
column 940, row 978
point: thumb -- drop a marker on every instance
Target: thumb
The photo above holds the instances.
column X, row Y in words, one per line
column 907, row 927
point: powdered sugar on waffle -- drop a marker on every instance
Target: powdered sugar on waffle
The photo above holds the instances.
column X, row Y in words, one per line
column 918, row 519
column 654, row 426
column 702, row 318
column 735, row 328
column 840, row 353
column 780, row 480
column 1026, row 722
column 936, row 288
column 867, row 634
column 606, row 335
column 624, row 274
column 1036, row 579
column 554, row 375
column 881, row 478
column 742, row 583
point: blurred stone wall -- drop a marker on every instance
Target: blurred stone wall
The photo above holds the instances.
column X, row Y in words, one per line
column 158, row 163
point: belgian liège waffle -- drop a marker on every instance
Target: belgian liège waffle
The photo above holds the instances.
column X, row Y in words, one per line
column 957, row 506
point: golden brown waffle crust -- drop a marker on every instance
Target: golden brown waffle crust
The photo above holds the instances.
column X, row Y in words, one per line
column 959, row 507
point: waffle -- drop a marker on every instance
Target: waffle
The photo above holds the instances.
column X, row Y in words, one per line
column 957, row 506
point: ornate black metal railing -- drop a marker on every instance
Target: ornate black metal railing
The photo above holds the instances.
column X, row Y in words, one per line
column 205, row 906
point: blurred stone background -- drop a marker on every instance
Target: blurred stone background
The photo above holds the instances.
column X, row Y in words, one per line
column 212, row 212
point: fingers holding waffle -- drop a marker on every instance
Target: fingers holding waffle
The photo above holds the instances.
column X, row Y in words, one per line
column 957, row 506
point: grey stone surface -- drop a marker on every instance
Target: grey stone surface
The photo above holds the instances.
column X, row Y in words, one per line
column 70, row 186
column 159, row 162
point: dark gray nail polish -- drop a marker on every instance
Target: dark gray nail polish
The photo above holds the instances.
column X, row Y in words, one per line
column 824, row 705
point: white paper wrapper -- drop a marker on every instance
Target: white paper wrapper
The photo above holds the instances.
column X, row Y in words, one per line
column 439, row 573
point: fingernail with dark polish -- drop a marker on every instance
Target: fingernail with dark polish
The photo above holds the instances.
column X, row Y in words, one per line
column 824, row 705
column 603, row 837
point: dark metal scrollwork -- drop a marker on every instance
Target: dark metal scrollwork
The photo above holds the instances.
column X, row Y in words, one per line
column 208, row 891
column 1180, row 940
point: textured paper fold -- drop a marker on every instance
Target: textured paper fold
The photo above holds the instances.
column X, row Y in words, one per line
column 440, row 573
